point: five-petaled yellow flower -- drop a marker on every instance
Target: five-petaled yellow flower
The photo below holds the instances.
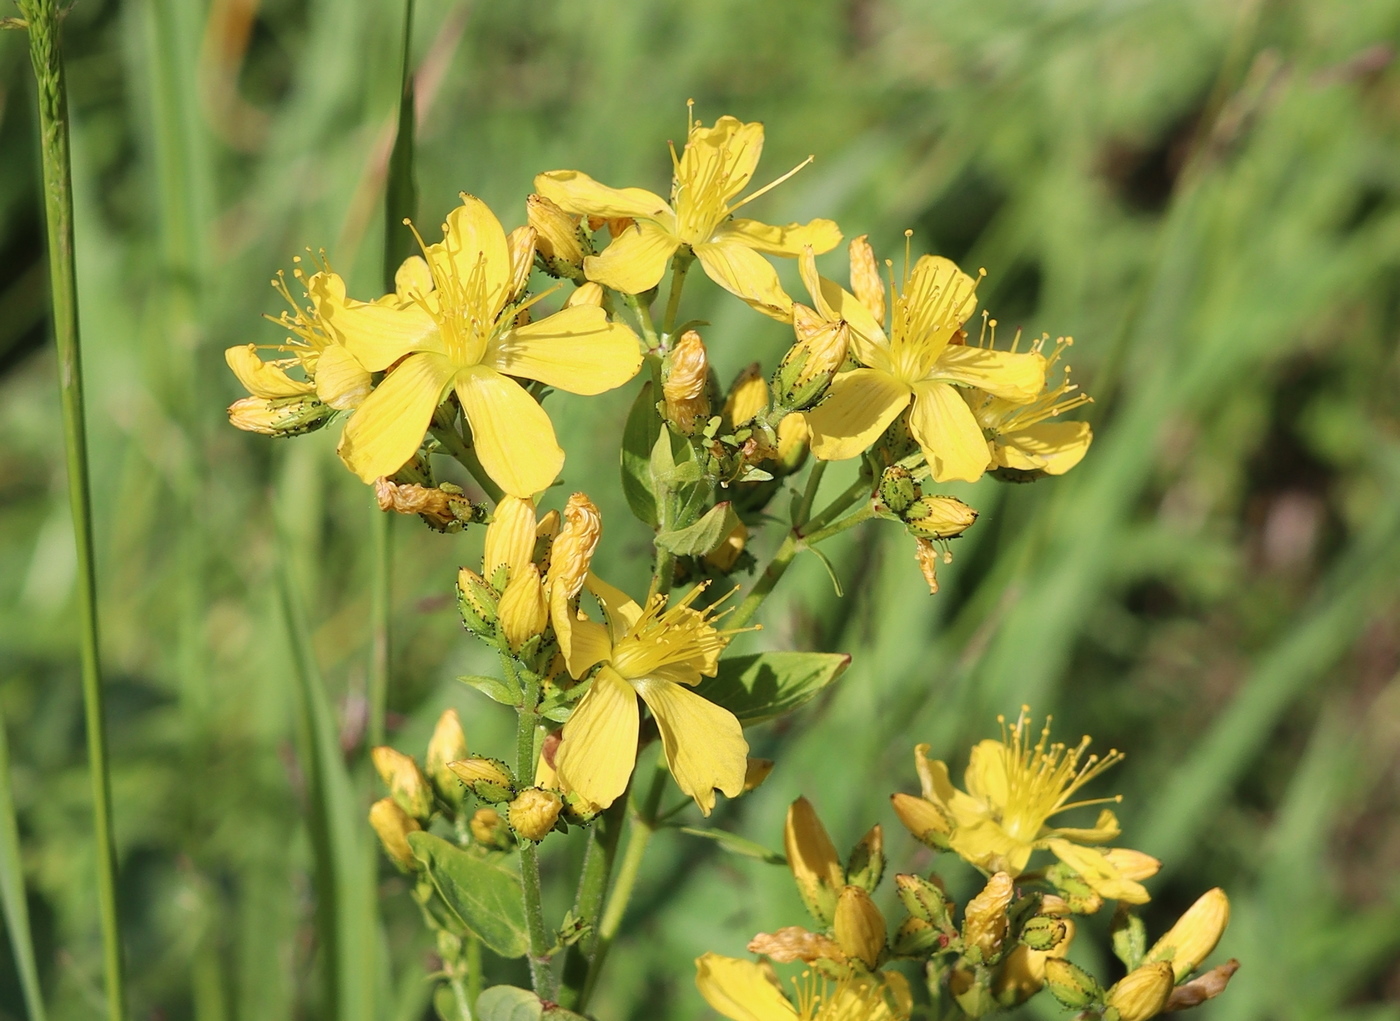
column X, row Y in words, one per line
column 745, row 991
column 714, row 168
column 657, row 652
column 921, row 362
column 463, row 331
column 1013, row 789
column 1019, row 436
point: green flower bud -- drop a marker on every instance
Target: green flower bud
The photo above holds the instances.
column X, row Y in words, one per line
column 866, row 864
column 489, row 779
column 924, row 901
column 938, row 517
column 1071, row 985
column 1043, row 932
column 898, row 489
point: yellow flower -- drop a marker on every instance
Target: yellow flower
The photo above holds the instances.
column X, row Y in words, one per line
column 745, row 991
column 462, row 331
column 708, row 176
column 1013, row 789
column 919, row 365
column 1019, row 436
column 656, row 652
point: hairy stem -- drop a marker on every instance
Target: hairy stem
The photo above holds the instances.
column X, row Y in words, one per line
column 42, row 17
column 598, row 861
column 528, row 718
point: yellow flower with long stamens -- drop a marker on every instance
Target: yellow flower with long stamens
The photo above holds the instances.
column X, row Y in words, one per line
column 1014, row 788
column 920, row 364
column 708, row 176
column 657, row 652
column 463, row 331
column 1019, row 435
column 745, row 991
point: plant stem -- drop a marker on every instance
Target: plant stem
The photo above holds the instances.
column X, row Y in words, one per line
column 644, row 824
column 762, row 588
column 809, row 495
column 855, row 492
column 598, row 860
column 643, row 314
column 474, row 972
column 528, row 717
column 680, row 265
column 463, row 996
column 450, row 438
column 379, row 607
column 42, row 18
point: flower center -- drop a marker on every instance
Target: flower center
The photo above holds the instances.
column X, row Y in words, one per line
column 1041, row 778
column 665, row 635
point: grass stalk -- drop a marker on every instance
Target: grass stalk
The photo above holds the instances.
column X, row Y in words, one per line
column 42, row 17
column 12, row 899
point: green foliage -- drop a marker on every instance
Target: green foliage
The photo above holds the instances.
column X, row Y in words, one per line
column 483, row 894
column 762, row 686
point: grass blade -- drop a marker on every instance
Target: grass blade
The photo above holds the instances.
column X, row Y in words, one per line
column 12, row 891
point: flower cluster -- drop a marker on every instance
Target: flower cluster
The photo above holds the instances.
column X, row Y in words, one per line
column 457, row 363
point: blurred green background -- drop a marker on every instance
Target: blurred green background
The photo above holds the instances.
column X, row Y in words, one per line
column 1205, row 194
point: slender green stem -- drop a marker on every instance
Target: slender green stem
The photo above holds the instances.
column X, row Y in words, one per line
column 462, row 994
column 821, row 535
column 450, row 438
column 643, row 314
column 598, row 860
column 853, row 494
column 379, row 606
column 680, row 265
column 809, row 495
column 762, row 588
column 475, row 975
column 42, row 17
column 644, row 824
column 528, row 718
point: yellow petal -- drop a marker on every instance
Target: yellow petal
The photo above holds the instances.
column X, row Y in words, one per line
column 379, row 335
column 1102, row 876
column 857, row 409
column 622, row 610
column 389, row 426
column 933, row 777
column 988, row 846
column 812, row 858
column 866, row 281
column 260, row 378
column 512, row 433
column 945, row 427
column 1192, row 939
column 413, row 279
column 589, row 293
column 576, row 192
column 599, row 743
column 819, row 235
column 1051, row 447
column 704, row 744
column 510, row 537
column 635, row 261
column 520, row 243
column 743, row 272
column 474, row 242
column 584, row 643
column 1015, row 377
column 577, row 349
column 728, row 152
column 341, row 381
column 1105, row 828
column 742, row 990
column 986, row 773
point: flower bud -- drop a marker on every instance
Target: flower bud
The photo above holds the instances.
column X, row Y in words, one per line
column 279, row 416
column 440, row 506
column 923, row 819
column 810, row 365
column 488, row 779
column 866, row 283
column 687, row 402
column 586, row 294
column 1191, row 940
column 561, row 243
column 859, row 926
column 1143, row 992
column 915, row 937
column 1132, row 865
column 393, row 825
column 812, row 858
column 756, row 772
column 523, row 611
column 924, row 900
column 489, row 829
column 1021, row 973
column 476, row 602
column 1044, row 932
column 938, row 517
column 448, row 744
column 794, row 943
column 1070, row 984
column 510, row 539
column 794, row 442
column 572, row 552
column 533, row 812
column 748, row 397
column 726, row 554
column 405, row 781
column 984, row 919
column 898, row 490
column 866, row 864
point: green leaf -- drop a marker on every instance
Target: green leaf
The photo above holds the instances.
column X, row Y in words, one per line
column 484, row 895
column 639, row 436
column 703, row 536
column 493, row 688
column 735, row 844
column 760, row 687
column 508, row 1003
